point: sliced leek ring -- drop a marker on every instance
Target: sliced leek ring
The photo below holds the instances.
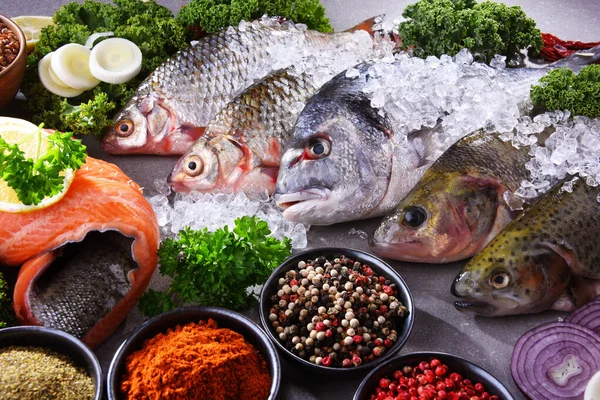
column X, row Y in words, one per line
column 71, row 63
column 115, row 60
column 51, row 81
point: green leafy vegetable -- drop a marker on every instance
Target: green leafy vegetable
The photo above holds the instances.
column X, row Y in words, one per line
column 562, row 89
column 216, row 268
column 207, row 16
column 7, row 315
column 439, row 27
column 34, row 179
column 149, row 25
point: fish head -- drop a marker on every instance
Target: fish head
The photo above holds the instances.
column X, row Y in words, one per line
column 198, row 169
column 141, row 127
column 449, row 216
column 515, row 274
column 337, row 165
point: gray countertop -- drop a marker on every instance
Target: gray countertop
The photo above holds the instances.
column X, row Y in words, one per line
column 438, row 326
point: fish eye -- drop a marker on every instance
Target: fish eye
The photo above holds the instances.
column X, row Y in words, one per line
column 319, row 148
column 193, row 166
column 499, row 280
column 414, row 217
column 124, row 127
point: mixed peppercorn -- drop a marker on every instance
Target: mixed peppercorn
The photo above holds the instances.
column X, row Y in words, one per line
column 429, row 381
column 9, row 46
column 336, row 313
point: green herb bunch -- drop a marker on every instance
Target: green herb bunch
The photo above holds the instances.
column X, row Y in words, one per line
column 7, row 315
column 216, row 268
column 562, row 89
column 439, row 27
column 149, row 25
column 35, row 179
column 207, row 16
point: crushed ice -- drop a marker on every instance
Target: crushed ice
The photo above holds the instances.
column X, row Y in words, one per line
column 215, row 210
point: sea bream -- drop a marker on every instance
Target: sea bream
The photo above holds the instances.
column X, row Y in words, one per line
column 368, row 136
column 547, row 258
column 173, row 105
column 241, row 148
column 463, row 201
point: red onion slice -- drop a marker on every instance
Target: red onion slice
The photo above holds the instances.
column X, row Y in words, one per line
column 555, row 361
column 587, row 316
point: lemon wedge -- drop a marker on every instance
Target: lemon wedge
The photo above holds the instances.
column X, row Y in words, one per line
column 31, row 142
column 32, row 25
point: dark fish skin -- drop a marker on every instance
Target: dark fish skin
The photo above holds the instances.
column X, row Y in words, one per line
column 547, row 258
column 242, row 146
column 459, row 202
column 84, row 283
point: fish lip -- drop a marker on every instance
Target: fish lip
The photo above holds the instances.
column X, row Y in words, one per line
column 472, row 305
column 287, row 201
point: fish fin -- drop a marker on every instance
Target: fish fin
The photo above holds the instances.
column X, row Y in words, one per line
column 421, row 141
column 578, row 60
column 371, row 25
column 583, row 290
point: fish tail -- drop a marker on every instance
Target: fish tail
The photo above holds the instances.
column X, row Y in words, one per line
column 576, row 61
column 372, row 25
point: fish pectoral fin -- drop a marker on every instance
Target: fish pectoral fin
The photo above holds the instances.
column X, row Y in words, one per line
column 423, row 144
column 370, row 25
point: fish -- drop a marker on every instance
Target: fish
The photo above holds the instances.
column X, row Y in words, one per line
column 242, row 146
column 173, row 105
column 353, row 156
column 547, row 258
column 459, row 205
column 86, row 259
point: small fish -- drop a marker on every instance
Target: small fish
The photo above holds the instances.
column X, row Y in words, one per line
column 175, row 103
column 349, row 160
column 547, row 258
column 242, row 146
column 458, row 206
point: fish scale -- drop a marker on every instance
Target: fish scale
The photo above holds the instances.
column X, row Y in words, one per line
column 196, row 83
column 549, row 255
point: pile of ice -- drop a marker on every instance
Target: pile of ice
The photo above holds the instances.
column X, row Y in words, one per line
column 453, row 94
column 573, row 149
column 215, row 210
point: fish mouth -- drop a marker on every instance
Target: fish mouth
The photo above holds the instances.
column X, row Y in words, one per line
column 295, row 202
column 83, row 283
column 474, row 306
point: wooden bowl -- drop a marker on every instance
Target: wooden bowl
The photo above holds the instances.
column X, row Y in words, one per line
column 11, row 77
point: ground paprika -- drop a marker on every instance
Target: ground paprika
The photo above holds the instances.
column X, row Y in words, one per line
column 196, row 361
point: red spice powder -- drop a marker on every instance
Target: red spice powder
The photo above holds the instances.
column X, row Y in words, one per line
column 196, row 361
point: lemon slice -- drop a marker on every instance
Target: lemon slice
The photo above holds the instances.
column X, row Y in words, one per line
column 14, row 130
column 32, row 25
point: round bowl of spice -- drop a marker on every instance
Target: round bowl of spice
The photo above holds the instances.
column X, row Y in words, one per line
column 336, row 310
column 44, row 363
column 430, row 375
column 13, row 59
column 196, row 353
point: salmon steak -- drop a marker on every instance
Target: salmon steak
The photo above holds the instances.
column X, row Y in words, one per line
column 85, row 259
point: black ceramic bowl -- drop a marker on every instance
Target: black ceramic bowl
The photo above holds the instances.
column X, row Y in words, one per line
column 224, row 318
column 378, row 265
column 455, row 364
column 60, row 342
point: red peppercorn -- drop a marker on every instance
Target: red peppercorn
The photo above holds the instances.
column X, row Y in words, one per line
column 393, row 387
column 434, row 363
column 478, row 387
column 293, row 282
column 347, row 363
column 475, row 398
column 388, row 290
column 455, row 377
column 412, row 383
column 328, row 333
column 320, row 326
column 381, row 395
column 442, row 394
column 397, row 374
column 326, row 361
column 356, row 360
column 440, row 370
column 423, row 365
column 440, row 386
column 413, row 391
column 357, row 339
column 384, row 383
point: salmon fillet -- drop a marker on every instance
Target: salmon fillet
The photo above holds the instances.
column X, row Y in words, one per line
column 101, row 198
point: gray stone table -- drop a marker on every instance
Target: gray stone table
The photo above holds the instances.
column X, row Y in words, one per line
column 438, row 326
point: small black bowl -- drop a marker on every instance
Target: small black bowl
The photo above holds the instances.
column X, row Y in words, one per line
column 455, row 364
column 378, row 265
column 224, row 318
column 60, row 342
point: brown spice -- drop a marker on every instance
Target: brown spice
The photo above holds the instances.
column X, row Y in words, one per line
column 9, row 46
column 196, row 361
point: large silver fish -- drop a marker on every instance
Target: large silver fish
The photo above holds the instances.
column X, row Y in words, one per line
column 172, row 107
column 348, row 160
column 242, row 147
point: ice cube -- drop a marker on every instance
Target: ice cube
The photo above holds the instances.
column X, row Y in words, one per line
column 352, row 73
column 498, row 62
column 513, row 202
column 162, row 187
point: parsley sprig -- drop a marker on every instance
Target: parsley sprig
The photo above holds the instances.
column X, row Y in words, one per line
column 33, row 179
column 216, row 268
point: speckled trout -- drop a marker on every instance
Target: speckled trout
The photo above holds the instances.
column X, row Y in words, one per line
column 547, row 258
column 459, row 205
column 173, row 106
